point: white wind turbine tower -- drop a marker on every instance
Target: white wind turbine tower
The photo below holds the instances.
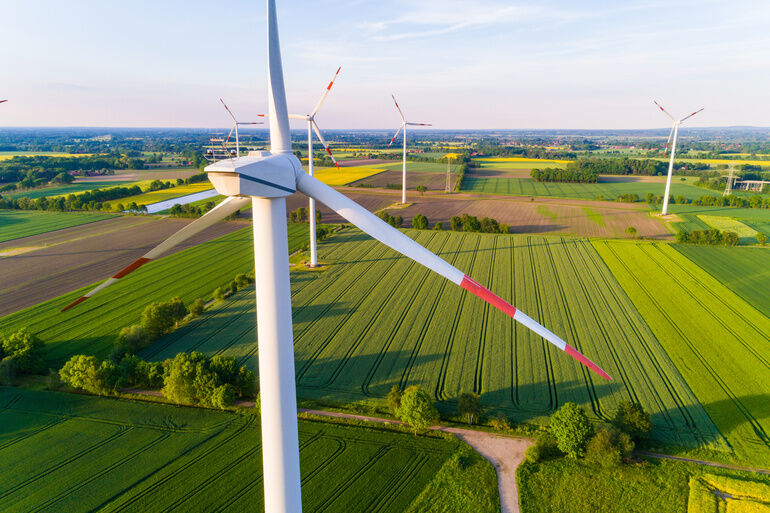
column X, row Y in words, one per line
column 236, row 124
column 674, row 132
column 404, row 124
column 264, row 179
column 311, row 127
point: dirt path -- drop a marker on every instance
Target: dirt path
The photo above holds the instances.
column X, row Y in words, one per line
column 701, row 462
column 505, row 453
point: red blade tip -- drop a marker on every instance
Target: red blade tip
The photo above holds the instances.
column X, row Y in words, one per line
column 585, row 361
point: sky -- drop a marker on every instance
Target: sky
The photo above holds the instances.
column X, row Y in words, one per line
column 458, row 64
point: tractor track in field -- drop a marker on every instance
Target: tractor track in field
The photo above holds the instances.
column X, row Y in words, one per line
column 624, row 302
column 478, row 375
column 756, row 426
column 335, row 493
column 397, row 483
column 103, row 472
column 439, row 392
column 399, row 322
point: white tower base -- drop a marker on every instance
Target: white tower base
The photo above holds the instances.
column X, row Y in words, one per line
column 278, row 394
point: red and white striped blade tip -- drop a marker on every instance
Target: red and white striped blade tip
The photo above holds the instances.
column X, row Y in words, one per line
column 493, row 299
column 136, row 264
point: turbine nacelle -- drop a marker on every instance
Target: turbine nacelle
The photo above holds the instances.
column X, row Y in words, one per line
column 259, row 174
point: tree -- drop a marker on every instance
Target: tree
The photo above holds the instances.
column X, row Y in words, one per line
column 609, row 447
column 421, row 189
column 682, row 236
column 470, row 406
column 571, row 428
column 197, row 307
column 761, row 238
column 89, row 374
column 438, row 226
column 158, row 319
column 27, row 350
column 394, row 399
column 417, row 409
column 398, row 221
column 633, row 420
column 420, row 222
column 456, row 223
column 631, row 231
column 130, row 340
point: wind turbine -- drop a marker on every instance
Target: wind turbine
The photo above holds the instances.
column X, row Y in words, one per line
column 313, row 126
column 265, row 178
column 404, row 124
column 3, row 101
column 236, row 123
column 674, row 132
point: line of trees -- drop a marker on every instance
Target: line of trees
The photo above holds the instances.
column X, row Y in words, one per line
column 21, row 352
column 712, row 237
column 569, row 174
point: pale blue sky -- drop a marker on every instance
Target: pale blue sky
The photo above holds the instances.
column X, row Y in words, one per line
column 456, row 63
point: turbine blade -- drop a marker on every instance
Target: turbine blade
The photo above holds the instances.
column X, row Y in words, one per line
column 323, row 141
column 3, row 101
column 394, row 137
column 399, row 109
column 691, row 115
column 302, row 117
column 668, row 142
column 280, row 140
column 325, row 93
column 224, row 209
column 419, row 124
column 228, row 109
column 663, row 110
column 396, row 240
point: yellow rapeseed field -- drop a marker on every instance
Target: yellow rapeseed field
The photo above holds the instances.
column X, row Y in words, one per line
column 520, row 159
column 343, row 176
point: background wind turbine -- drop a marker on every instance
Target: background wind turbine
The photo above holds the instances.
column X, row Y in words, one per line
column 3, row 101
column 265, row 178
column 672, row 136
column 236, row 123
column 404, row 124
column 313, row 126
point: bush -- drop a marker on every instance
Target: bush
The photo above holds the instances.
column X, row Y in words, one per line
column 609, row 447
column 197, row 307
column 243, row 280
column 417, row 409
column 633, row 420
column 544, row 448
column 89, row 374
column 571, row 428
column 501, row 423
column 131, row 340
column 27, row 350
column 631, row 231
column 219, row 294
column 456, row 223
column 469, row 406
column 762, row 238
column 420, row 222
column 159, row 318
column 438, row 226
column 7, row 370
column 394, row 399
column 195, row 378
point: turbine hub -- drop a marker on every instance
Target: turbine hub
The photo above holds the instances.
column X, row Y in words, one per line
column 260, row 173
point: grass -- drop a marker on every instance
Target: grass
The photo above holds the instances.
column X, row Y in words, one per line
column 742, row 270
column 150, row 197
column 360, row 328
column 717, row 340
column 589, row 191
column 594, row 216
column 563, row 486
column 63, row 190
column 503, row 163
column 15, row 224
column 91, row 327
column 64, row 452
column 547, row 212
column 746, row 234
column 417, row 167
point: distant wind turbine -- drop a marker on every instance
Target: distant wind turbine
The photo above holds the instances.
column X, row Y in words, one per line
column 3, row 101
column 313, row 126
column 265, row 179
column 404, row 124
column 673, row 133
column 236, row 124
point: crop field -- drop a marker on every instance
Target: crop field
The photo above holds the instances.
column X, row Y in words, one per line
column 6, row 155
column 519, row 163
column 15, row 224
column 150, row 197
column 746, row 234
column 589, row 191
column 360, row 327
column 63, row 190
column 745, row 271
column 74, row 453
column 91, row 327
column 717, row 340
column 343, row 176
column 756, row 218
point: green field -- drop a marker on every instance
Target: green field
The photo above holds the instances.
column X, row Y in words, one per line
column 744, row 271
column 756, row 218
column 15, row 224
column 589, row 191
column 417, row 167
column 63, row 190
column 506, row 164
column 91, row 327
column 562, row 486
column 746, row 234
column 360, row 328
column 150, row 197
column 717, row 340
column 73, row 453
